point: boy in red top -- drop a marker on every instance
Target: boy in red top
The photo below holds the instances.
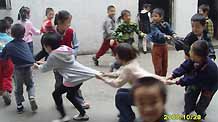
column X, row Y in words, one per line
column 47, row 25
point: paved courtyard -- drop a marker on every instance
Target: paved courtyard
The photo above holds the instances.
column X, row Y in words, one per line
column 98, row 94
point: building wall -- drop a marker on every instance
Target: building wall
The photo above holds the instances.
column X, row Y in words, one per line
column 183, row 11
column 88, row 16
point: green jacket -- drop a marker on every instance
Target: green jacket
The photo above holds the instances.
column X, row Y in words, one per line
column 125, row 31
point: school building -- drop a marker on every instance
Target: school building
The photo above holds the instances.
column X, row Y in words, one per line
column 88, row 15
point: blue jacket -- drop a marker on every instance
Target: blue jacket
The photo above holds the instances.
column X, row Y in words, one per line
column 158, row 31
column 18, row 50
column 205, row 76
column 4, row 39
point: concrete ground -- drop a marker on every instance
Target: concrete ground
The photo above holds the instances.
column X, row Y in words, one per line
column 98, row 94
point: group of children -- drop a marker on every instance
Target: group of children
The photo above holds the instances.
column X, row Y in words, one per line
column 148, row 92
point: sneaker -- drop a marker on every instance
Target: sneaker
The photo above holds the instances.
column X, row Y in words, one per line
column 7, row 98
column 79, row 117
column 95, row 61
column 64, row 119
column 86, row 105
column 33, row 104
column 20, row 108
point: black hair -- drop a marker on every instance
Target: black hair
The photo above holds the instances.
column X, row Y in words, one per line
column 126, row 52
column 123, row 13
column 199, row 18
column 24, row 13
column 110, row 7
column 159, row 11
column 204, row 8
column 61, row 16
column 200, row 48
column 146, row 6
column 18, row 31
column 51, row 39
column 149, row 82
column 9, row 21
column 48, row 10
column 3, row 26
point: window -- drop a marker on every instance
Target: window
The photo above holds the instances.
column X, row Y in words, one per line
column 5, row 4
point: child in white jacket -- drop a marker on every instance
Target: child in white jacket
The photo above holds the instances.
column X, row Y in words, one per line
column 62, row 59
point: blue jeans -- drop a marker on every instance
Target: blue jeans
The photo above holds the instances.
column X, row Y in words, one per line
column 23, row 76
column 124, row 101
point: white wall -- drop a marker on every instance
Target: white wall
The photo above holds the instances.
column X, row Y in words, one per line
column 88, row 16
column 183, row 11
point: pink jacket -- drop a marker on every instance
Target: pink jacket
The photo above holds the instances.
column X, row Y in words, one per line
column 30, row 31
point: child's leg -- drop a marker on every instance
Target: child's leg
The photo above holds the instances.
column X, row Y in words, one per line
column 30, row 87
column 164, row 60
column 191, row 96
column 1, row 76
column 157, row 59
column 57, row 96
column 7, row 75
column 103, row 49
column 58, row 79
column 19, row 80
column 124, row 101
column 71, row 96
column 203, row 103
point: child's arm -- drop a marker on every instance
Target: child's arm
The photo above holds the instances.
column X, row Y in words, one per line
column 34, row 30
column 117, row 33
column 47, row 66
column 210, row 28
column 140, row 33
column 185, row 67
column 75, row 43
column 108, row 27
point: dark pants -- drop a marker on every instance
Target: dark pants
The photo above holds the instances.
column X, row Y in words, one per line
column 59, row 82
column 160, row 59
column 30, row 44
column 71, row 96
column 191, row 96
column 104, row 48
column 124, row 101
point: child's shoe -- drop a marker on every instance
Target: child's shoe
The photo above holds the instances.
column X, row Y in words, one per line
column 80, row 117
column 7, row 98
column 64, row 119
column 20, row 108
column 95, row 61
column 33, row 104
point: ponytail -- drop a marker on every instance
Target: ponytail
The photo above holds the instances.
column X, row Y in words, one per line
column 24, row 13
column 61, row 16
column 123, row 13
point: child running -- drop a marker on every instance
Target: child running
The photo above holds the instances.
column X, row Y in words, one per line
column 30, row 30
column 62, row 59
column 47, row 25
column 22, row 58
column 202, row 80
column 130, row 71
column 6, row 66
column 108, row 27
column 160, row 33
column 124, row 33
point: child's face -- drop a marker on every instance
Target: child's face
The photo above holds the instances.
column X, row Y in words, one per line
column 127, row 17
column 149, row 103
column 50, row 15
column 65, row 25
column 205, row 14
column 112, row 12
column 197, row 28
column 156, row 18
column 47, row 49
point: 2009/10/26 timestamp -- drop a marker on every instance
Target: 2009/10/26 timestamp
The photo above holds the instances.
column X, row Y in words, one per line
column 182, row 117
